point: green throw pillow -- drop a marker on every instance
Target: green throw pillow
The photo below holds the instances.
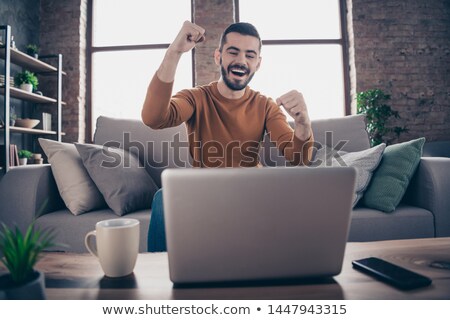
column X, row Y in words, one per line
column 390, row 180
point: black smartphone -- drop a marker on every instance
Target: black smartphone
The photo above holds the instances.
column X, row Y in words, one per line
column 392, row 274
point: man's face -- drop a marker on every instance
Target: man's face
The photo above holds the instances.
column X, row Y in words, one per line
column 238, row 60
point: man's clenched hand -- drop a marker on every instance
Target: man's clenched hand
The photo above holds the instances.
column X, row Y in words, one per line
column 188, row 37
column 295, row 106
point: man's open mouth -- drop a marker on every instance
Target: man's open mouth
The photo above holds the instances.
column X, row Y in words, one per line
column 238, row 71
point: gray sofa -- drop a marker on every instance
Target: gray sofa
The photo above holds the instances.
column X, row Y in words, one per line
column 436, row 149
column 424, row 211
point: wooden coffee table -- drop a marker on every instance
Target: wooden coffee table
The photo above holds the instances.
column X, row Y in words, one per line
column 79, row 276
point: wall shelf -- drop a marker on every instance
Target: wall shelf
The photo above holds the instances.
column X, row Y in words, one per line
column 14, row 56
column 28, row 96
column 31, row 131
column 28, row 62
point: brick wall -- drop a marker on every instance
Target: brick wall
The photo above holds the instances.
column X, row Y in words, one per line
column 214, row 16
column 399, row 46
column 63, row 30
column 403, row 48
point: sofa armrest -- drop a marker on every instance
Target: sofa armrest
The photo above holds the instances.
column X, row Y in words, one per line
column 26, row 192
column 430, row 189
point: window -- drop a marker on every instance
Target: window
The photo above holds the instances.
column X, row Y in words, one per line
column 303, row 49
column 129, row 40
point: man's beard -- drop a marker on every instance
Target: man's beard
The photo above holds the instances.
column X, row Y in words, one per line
column 229, row 83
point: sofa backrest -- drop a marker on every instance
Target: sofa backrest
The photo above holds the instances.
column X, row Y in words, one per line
column 436, row 149
column 347, row 133
column 168, row 148
column 157, row 149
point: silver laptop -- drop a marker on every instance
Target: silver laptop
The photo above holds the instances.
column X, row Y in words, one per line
column 256, row 224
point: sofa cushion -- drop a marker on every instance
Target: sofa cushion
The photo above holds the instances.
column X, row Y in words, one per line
column 75, row 186
column 156, row 149
column 391, row 179
column 118, row 174
column 405, row 222
column 71, row 230
column 365, row 162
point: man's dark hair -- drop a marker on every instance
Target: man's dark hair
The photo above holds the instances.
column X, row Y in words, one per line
column 243, row 28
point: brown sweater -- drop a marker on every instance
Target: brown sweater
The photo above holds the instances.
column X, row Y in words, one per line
column 224, row 132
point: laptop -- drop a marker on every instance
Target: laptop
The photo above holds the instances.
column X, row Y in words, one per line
column 253, row 224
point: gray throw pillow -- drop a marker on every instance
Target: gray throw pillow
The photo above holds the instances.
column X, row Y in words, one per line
column 365, row 162
column 120, row 177
column 75, row 186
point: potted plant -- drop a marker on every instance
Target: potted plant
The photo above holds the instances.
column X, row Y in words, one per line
column 24, row 155
column 20, row 254
column 37, row 158
column 26, row 80
column 373, row 104
column 33, row 50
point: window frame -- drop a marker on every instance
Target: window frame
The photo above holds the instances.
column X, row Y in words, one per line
column 342, row 41
column 91, row 50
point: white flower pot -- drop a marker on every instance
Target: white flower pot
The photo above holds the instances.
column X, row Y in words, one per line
column 26, row 87
column 23, row 161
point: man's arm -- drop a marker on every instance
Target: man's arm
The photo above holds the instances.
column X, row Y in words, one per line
column 157, row 100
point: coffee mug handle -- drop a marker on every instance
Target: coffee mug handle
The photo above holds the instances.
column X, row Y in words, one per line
column 89, row 244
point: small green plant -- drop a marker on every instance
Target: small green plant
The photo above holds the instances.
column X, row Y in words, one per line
column 373, row 104
column 32, row 49
column 25, row 154
column 22, row 251
column 26, row 77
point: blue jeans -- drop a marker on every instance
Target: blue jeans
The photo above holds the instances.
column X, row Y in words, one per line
column 156, row 240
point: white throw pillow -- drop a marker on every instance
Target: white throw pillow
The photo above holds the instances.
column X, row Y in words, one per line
column 365, row 162
column 78, row 191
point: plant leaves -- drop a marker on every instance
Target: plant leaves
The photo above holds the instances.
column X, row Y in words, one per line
column 20, row 253
column 374, row 105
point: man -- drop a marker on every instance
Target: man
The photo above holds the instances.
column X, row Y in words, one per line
column 226, row 120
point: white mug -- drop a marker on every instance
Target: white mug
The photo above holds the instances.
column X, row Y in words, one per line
column 117, row 245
